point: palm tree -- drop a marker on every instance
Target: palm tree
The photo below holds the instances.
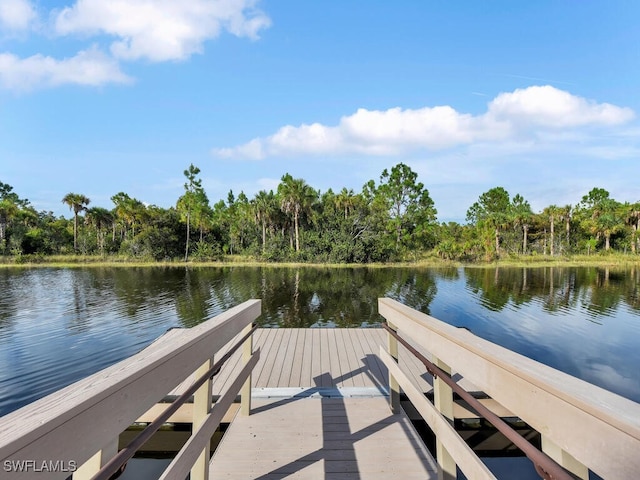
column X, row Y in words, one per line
column 264, row 206
column 296, row 197
column 553, row 212
column 600, row 215
column 76, row 202
column 345, row 200
column 121, row 210
column 609, row 221
column 8, row 210
column 632, row 218
column 99, row 217
column 521, row 215
column 193, row 193
column 565, row 214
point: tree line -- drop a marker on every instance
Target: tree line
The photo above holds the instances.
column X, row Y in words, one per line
column 393, row 219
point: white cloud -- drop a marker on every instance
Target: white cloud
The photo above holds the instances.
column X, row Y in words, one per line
column 547, row 106
column 160, row 30
column 88, row 67
column 16, row 14
column 525, row 113
column 390, row 130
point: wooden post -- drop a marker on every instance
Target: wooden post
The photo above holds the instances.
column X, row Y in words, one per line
column 443, row 401
column 89, row 468
column 245, row 392
column 201, row 408
column 394, row 386
column 564, row 458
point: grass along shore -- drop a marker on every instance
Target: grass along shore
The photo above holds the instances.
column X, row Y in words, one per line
column 521, row 261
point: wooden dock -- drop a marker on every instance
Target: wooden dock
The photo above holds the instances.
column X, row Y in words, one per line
column 320, row 410
column 320, row 403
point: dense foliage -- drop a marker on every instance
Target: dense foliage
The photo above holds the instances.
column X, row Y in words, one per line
column 392, row 220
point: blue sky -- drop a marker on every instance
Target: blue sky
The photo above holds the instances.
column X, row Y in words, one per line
column 103, row 96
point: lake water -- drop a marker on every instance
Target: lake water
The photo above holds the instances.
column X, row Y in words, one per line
column 60, row 325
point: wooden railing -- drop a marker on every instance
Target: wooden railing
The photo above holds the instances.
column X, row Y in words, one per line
column 583, row 427
column 76, row 429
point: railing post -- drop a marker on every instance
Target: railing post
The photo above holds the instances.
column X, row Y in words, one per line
column 245, row 392
column 201, row 408
column 89, row 468
column 564, row 458
column 394, row 386
column 443, row 401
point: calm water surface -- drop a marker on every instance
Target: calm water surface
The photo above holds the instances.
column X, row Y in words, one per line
column 60, row 325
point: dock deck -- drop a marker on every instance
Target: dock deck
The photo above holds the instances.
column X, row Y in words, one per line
column 322, row 403
column 334, row 438
column 323, row 361
column 320, row 410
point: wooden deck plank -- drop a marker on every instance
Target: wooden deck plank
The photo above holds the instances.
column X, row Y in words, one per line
column 298, row 356
column 316, row 357
column 348, row 365
column 289, row 361
column 322, row 377
column 268, row 357
column 264, row 343
column 284, row 359
column 316, row 366
column 357, row 353
column 371, row 373
column 365, row 441
column 366, row 376
column 372, row 339
column 343, row 343
column 307, row 354
column 338, row 367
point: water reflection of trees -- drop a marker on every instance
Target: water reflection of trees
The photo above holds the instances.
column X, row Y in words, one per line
column 597, row 289
column 304, row 297
column 342, row 297
column 291, row 297
column 632, row 290
column 9, row 299
column 415, row 288
column 141, row 288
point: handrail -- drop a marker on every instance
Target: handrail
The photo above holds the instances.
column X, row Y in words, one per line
column 184, row 459
column 546, row 467
column 69, row 426
column 124, row 455
column 582, row 426
column 461, row 453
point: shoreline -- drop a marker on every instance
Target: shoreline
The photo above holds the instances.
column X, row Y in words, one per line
column 76, row 261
